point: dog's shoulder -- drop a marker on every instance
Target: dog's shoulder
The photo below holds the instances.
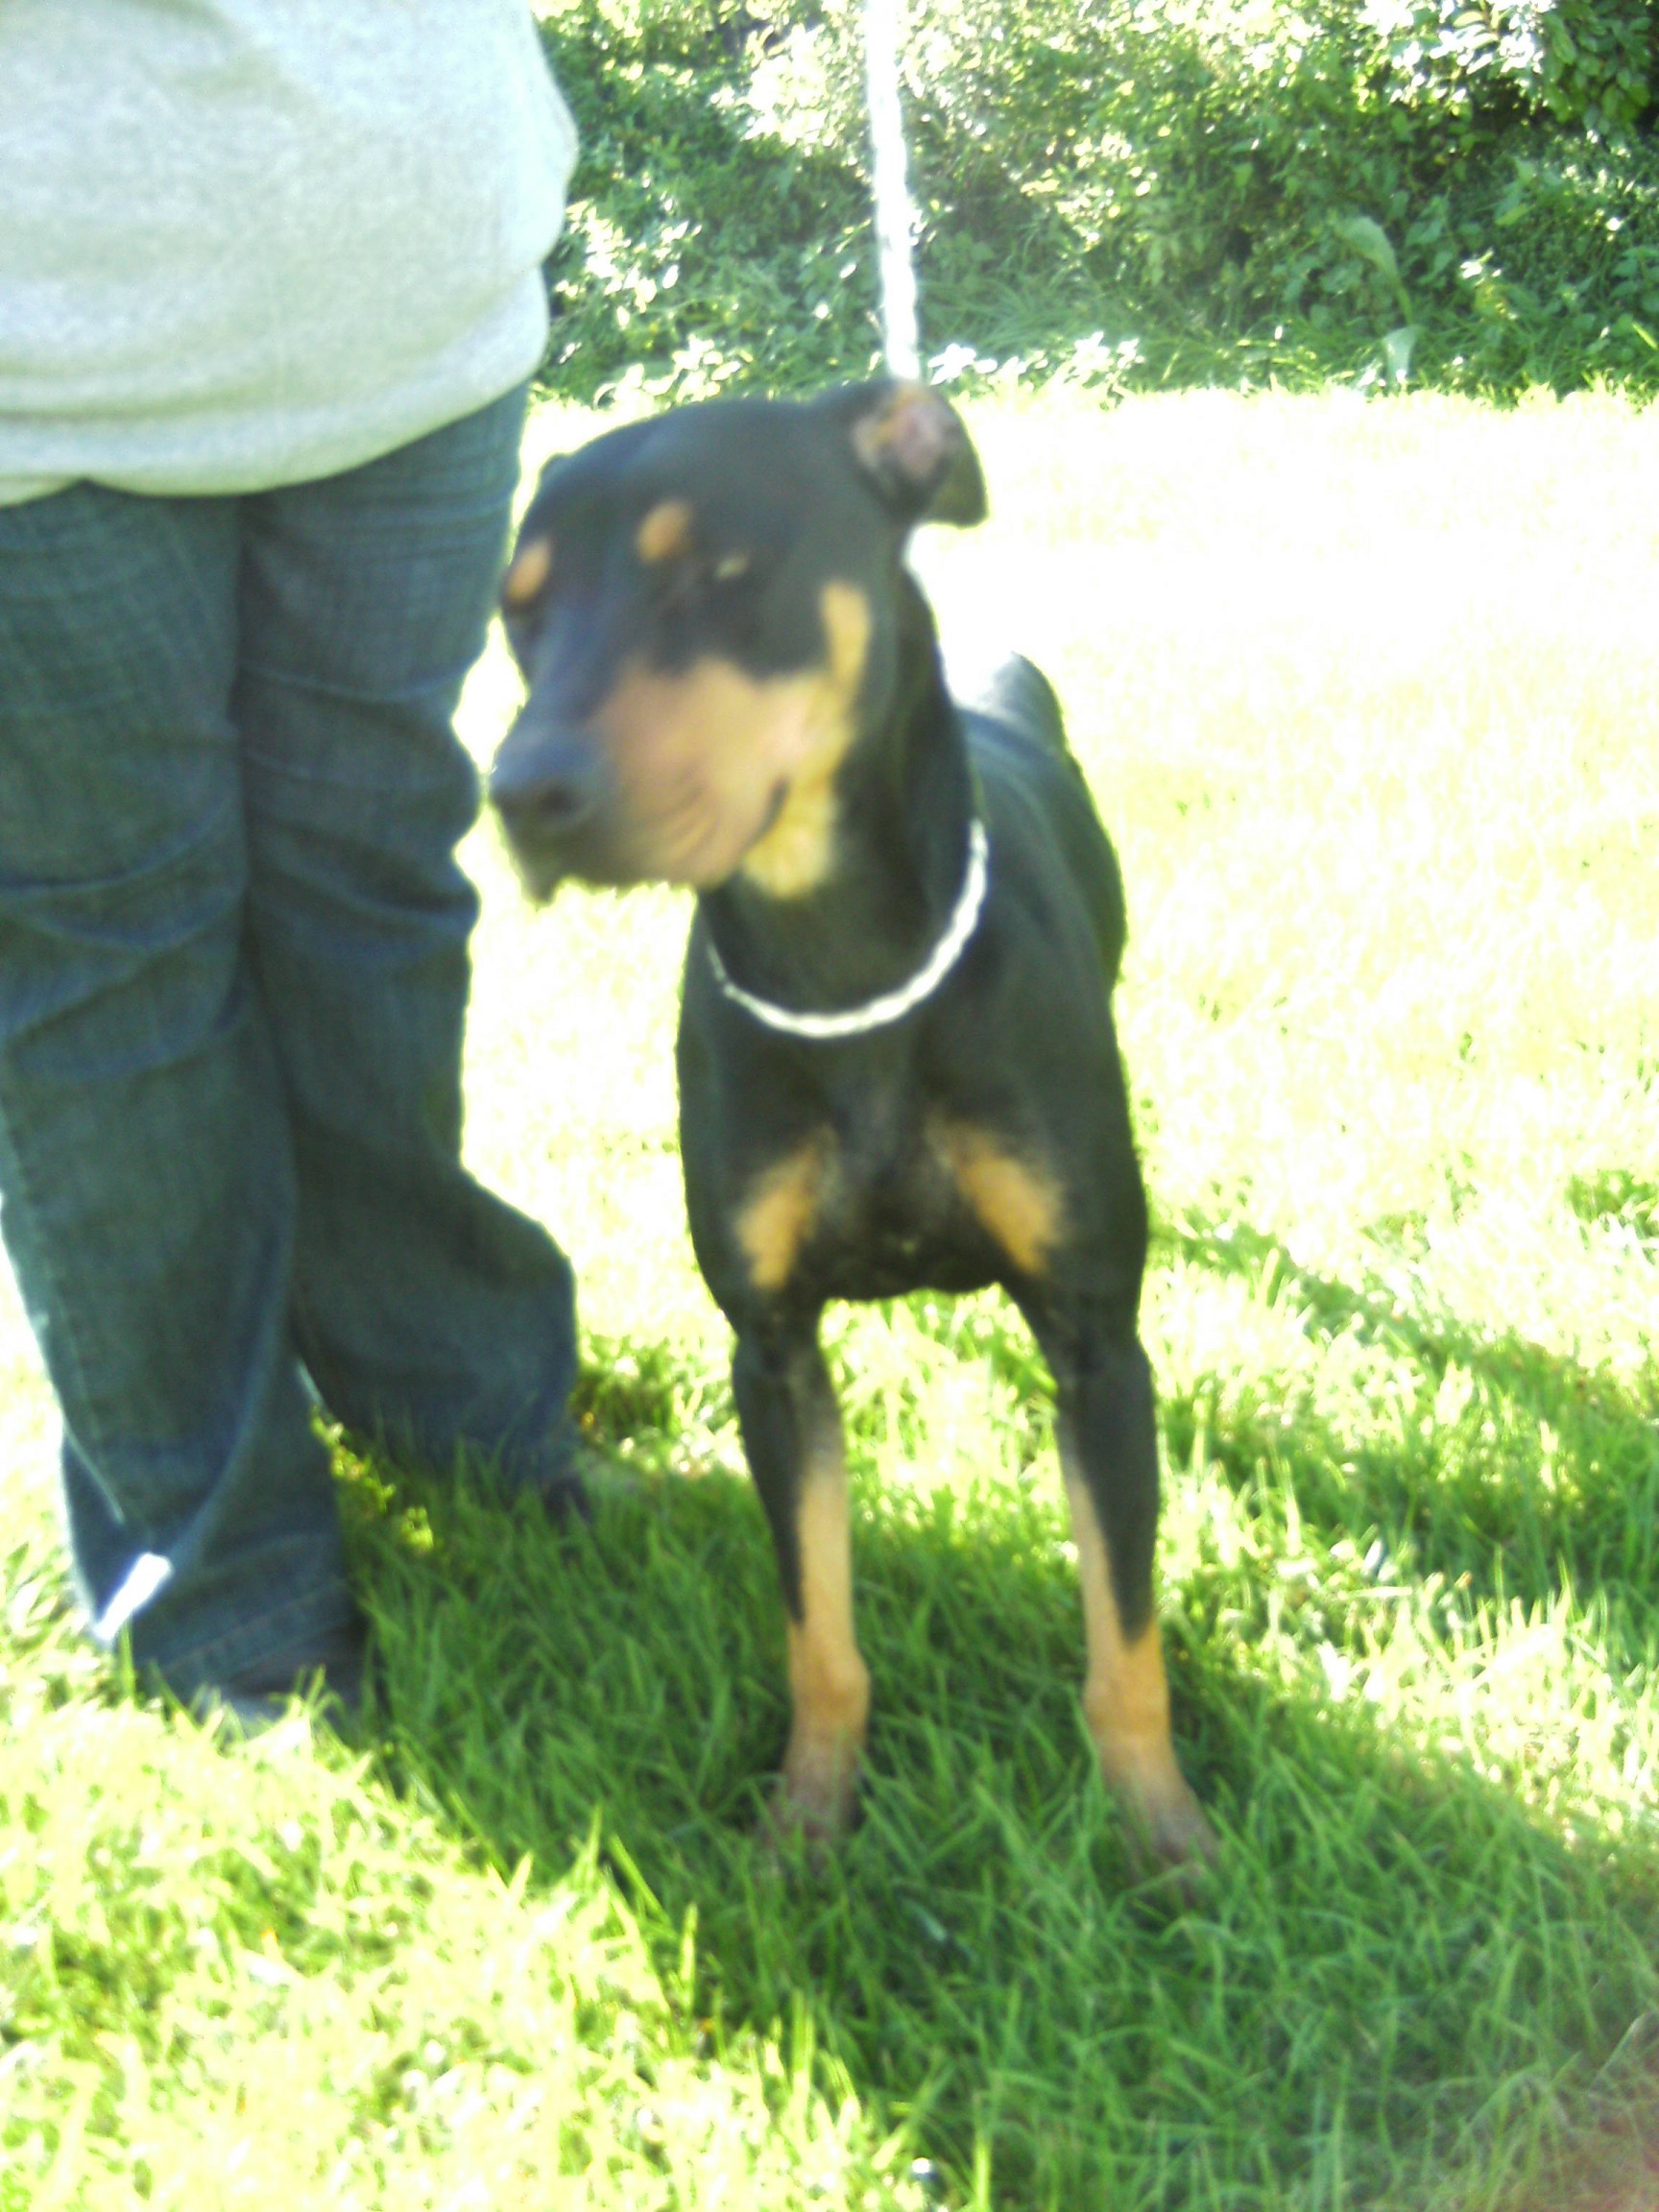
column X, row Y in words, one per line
column 1012, row 698
column 1040, row 811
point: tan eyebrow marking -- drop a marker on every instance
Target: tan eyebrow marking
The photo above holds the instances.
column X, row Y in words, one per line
column 532, row 565
column 664, row 532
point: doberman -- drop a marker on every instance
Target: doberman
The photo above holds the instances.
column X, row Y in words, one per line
column 897, row 1060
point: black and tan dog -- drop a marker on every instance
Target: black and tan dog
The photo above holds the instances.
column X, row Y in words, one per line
column 897, row 1060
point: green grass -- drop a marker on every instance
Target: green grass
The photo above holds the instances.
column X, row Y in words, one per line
column 1367, row 694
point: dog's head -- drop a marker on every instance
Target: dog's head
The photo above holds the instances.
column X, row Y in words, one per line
column 707, row 612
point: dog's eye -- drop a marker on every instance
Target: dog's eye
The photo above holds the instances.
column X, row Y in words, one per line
column 708, row 580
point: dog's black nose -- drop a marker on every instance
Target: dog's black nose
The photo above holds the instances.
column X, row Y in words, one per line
column 545, row 783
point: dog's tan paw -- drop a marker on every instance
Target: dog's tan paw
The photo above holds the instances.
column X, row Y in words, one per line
column 1168, row 1833
column 812, row 1807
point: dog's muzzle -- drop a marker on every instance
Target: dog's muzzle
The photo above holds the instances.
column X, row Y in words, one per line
column 547, row 788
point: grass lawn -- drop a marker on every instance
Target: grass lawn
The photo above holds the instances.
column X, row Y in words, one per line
column 1368, row 696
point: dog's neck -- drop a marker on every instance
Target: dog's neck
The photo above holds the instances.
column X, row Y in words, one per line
column 904, row 803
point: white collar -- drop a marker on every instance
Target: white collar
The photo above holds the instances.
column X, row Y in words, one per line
column 893, row 1005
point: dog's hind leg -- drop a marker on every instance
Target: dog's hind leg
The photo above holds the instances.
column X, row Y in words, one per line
column 1108, row 1452
column 792, row 1434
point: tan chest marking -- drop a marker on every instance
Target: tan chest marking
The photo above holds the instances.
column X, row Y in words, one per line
column 798, row 853
column 1016, row 1203
column 776, row 1218
column 795, row 854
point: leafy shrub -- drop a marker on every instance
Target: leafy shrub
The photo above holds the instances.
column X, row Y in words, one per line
column 1561, row 267
column 1587, row 61
column 1210, row 188
column 696, row 253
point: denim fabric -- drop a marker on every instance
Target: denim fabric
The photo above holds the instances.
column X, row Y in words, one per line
column 234, row 974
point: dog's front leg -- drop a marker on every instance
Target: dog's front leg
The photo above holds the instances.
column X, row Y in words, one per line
column 792, row 1434
column 1108, row 1452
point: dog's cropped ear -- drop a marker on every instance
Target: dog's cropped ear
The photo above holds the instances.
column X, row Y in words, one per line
column 912, row 445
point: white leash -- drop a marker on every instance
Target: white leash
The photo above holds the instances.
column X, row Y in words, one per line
column 893, row 1005
column 895, row 215
column 894, row 242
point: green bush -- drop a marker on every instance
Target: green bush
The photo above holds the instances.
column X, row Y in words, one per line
column 696, row 253
column 1210, row 188
column 1586, row 61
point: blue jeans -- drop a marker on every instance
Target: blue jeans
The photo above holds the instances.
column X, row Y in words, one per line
column 233, row 974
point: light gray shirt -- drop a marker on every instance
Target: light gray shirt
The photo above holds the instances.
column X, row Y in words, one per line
column 248, row 242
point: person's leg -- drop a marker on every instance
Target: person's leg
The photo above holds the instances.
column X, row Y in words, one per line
column 145, row 1175
column 428, row 1311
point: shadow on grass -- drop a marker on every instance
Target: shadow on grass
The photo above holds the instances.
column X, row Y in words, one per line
column 1504, row 1467
column 1402, row 1990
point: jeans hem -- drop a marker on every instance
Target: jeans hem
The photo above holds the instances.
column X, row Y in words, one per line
column 302, row 1622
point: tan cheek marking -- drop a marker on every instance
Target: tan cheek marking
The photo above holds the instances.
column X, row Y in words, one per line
column 532, row 565
column 692, row 754
column 719, row 732
column 795, row 855
column 774, row 1221
column 846, row 614
column 666, row 532
column 798, row 853
column 828, row 1681
column 1019, row 1206
column 711, row 707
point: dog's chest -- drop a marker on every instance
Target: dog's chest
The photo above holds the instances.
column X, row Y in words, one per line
column 892, row 1214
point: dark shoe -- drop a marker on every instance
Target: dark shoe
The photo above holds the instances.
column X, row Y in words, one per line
column 565, row 1498
column 585, row 1484
column 328, row 1675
